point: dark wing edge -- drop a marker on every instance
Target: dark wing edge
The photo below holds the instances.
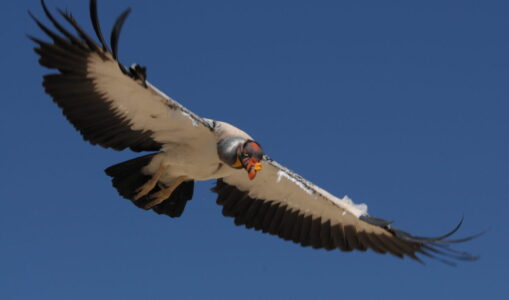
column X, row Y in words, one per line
column 73, row 91
column 438, row 247
column 275, row 218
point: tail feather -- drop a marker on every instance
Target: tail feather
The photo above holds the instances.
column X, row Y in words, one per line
column 127, row 178
column 177, row 201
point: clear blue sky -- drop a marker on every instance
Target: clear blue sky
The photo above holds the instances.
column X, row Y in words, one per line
column 402, row 105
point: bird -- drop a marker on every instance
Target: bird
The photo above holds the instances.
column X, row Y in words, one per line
column 115, row 106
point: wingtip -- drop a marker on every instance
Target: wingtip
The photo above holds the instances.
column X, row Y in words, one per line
column 420, row 239
column 32, row 15
column 44, row 7
column 64, row 13
column 437, row 248
column 33, row 38
column 94, row 16
column 115, row 32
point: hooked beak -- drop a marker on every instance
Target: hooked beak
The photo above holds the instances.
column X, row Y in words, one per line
column 252, row 166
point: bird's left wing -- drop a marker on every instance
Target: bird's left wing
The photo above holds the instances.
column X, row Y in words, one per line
column 109, row 104
column 283, row 203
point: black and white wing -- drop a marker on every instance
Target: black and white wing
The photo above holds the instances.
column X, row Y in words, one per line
column 111, row 105
column 283, row 203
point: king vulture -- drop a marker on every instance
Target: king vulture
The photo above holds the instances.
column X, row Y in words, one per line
column 114, row 106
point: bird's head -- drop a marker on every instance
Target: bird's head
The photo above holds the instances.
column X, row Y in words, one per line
column 240, row 153
column 249, row 156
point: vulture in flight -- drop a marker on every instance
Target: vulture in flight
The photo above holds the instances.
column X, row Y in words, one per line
column 114, row 106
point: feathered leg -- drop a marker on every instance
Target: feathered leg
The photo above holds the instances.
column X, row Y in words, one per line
column 149, row 185
column 165, row 192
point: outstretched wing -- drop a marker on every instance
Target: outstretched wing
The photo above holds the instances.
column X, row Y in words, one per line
column 283, row 203
column 111, row 105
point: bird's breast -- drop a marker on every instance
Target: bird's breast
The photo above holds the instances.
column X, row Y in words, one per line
column 196, row 163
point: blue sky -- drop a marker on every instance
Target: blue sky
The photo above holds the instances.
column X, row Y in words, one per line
column 402, row 105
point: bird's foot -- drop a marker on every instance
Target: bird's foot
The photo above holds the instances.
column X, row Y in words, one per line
column 149, row 185
column 165, row 193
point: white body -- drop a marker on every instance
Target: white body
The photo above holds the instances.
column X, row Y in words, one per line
column 197, row 162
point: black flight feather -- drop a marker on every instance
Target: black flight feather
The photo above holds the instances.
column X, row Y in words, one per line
column 95, row 22
column 115, row 33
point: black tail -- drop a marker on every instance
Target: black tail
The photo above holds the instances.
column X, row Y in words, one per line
column 127, row 178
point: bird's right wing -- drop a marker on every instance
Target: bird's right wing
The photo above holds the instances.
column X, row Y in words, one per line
column 282, row 203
